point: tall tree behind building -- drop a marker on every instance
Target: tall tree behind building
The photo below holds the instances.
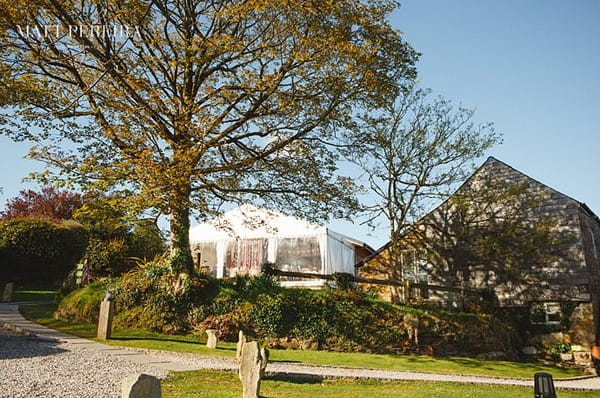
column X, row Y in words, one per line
column 411, row 155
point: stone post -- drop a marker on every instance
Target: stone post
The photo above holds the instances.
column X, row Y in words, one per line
column 264, row 360
column 105, row 319
column 140, row 385
column 411, row 323
column 240, row 344
column 212, row 338
column 9, row 291
column 252, row 365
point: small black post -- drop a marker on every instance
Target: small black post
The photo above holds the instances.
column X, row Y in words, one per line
column 543, row 385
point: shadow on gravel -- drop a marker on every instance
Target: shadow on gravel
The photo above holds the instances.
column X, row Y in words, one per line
column 17, row 347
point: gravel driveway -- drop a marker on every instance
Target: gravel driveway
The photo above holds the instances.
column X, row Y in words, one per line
column 66, row 366
column 31, row 367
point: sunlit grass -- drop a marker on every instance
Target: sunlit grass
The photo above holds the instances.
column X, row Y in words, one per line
column 214, row 384
column 196, row 345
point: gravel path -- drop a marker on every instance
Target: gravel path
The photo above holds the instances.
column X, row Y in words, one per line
column 31, row 367
column 60, row 365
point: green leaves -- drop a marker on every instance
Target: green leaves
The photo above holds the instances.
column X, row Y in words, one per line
column 40, row 250
column 214, row 102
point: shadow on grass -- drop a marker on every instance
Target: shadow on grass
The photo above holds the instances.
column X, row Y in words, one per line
column 492, row 365
column 284, row 361
column 161, row 339
column 117, row 338
column 295, row 378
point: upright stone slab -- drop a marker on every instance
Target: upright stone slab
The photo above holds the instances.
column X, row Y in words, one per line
column 411, row 323
column 140, row 385
column 264, row 360
column 212, row 338
column 252, row 366
column 9, row 291
column 240, row 344
column 105, row 318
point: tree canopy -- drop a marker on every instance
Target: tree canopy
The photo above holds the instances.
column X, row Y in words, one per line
column 48, row 203
column 191, row 104
column 413, row 153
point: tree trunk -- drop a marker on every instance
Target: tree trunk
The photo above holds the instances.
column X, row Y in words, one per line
column 181, row 254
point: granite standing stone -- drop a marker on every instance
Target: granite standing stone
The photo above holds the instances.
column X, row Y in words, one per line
column 9, row 291
column 252, row 365
column 411, row 322
column 212, row 338
column 240, row 344
column 264, row 360
column 105, row 319
column 140, row 385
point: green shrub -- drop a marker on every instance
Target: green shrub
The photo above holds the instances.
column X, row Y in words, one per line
column 555, row 350
column 107, row 257
column 116, row 241
column 273, row 315
column 39, row 250
column 167, row 298
column 155, row 298
column 344, row 281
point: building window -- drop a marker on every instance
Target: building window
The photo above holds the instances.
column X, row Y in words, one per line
column 545, row 313
column 414, row 265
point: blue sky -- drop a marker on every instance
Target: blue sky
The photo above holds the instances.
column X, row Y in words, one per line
column 530, row 67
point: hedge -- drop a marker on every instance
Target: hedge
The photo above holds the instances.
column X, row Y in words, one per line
column 39, row 250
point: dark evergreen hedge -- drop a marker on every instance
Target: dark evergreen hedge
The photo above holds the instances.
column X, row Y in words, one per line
column 39, row 250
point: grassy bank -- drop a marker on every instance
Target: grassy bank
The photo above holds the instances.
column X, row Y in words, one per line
column 202, row 383
column 192, row 344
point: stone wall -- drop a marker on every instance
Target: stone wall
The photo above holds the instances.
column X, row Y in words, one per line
column 590, row 227
column 581, row 328
column 566, row 277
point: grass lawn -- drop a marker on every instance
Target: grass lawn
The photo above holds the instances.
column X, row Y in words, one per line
column 42, row 313
column 34, row 293
column 202, row 383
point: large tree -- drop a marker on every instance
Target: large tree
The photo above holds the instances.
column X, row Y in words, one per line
column 190, row 104
column 411, row 155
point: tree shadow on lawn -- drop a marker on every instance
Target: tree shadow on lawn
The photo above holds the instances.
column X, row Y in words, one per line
column 160, row 339
column 20, row 347
column 492, row 365
column 284, row 361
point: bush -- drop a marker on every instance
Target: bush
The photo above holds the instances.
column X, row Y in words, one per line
column 116, row 241
column 153, row 297
column 166, row 298
column 107, row 257
column 38, row 250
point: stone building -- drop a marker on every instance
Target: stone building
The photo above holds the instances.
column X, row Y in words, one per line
column 533, row 249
